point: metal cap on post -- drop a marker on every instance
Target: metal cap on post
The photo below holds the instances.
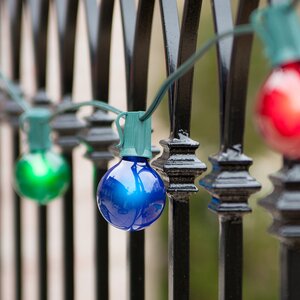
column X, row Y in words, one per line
column 99, row 136
column 12, row 110
column 67, row 126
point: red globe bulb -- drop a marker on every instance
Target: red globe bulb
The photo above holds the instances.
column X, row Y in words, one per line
column 278, row 110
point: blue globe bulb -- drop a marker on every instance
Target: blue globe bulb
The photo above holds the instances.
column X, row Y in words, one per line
column 131, row 195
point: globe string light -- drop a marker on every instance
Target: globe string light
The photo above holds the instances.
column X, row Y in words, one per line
column 131, row 195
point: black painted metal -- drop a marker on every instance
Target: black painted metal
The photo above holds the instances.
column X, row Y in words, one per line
column 100, row 135
column 66, row 11
column 178, row 164
column 68, row 236
column 284, row 205
column 229, row 183
column 183, row 89
column 42, row 258
column 231, row 257
column 290, row 265
column 236, row 93
column 15, row 22
column 67, row 126
column 179, row 248
column 171, row 33
column 13, row 111
column 136, row 265
column 39, row 11
column 223, row 21
column 102, row 249
column 137, row 25
column 17, row 226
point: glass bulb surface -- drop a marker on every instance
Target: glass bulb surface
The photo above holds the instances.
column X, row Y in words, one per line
column 131, row 195
column 278, row 110
column 42, row 176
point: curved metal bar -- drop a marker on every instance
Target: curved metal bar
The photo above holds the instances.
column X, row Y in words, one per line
column 15, row 24
column 285, row 224
column 128, row 12
column 100, row 134
column 137, row 34
column 222, row 22
column 229, row 182
column 140, row 59
column 187, row 46
column 171, row 34
column 236, row 93
column 180, row 44
column 67, row 127
column 99, row 23
column 66, row 18
column 39, row 11
column 137, row 26
column 179, row 225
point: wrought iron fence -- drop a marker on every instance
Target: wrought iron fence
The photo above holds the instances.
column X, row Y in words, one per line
column 229, row 182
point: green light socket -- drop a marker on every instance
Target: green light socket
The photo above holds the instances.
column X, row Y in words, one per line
column 278, row 26
column 35, row 123
column 135, row 139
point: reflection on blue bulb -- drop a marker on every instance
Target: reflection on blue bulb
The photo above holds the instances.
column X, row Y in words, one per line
column 131, row 195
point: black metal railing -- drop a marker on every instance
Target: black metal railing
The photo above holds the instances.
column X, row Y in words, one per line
column 229, row 181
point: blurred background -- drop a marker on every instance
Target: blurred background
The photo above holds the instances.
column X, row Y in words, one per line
column 260, row 249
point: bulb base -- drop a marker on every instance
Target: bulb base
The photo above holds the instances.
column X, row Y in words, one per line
column 135, row 138
column 278, row 26
column 35, row 123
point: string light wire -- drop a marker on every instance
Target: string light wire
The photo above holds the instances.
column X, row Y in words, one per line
column 178, row 73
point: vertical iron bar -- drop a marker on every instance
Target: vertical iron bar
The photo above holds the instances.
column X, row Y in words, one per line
column 236, row 91
column 42, row 258
column 136, row 264
column 101, row 237
column 1, row 176
column 137, row 24
column 67, row 127
column 179, row 230
column 171, row 34
column 17, row 224
column 68, row 235
column 222, row 16
column 42, row 261
column 230, row 183
column 39, row 12
column 179, row 247
column 184, row 86
column 178, row 163
column 230, row 258
column 15, row 23
column 290, row 273
column 100, row 136
column 284, row 205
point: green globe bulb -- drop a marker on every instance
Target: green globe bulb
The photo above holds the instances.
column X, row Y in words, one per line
column 41, row 175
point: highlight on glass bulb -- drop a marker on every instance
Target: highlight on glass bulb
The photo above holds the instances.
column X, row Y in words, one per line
column 42, row 176
column 131, row 195
column 278, row 110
